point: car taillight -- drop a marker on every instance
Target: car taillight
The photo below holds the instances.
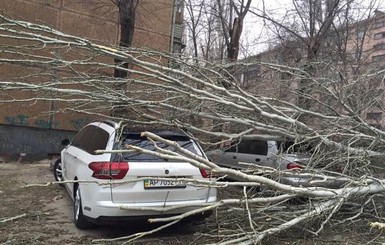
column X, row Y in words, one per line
column 204, row 173
column 109, row 170
column 292, row 165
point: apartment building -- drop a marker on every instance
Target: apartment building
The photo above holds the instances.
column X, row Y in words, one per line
column 374, row 49
column 158, row 26
column 355, row 50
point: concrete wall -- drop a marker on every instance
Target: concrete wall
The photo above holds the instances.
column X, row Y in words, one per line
column 30, row 143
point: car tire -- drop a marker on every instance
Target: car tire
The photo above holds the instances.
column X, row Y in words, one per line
column 79, row 219
column 58, row 171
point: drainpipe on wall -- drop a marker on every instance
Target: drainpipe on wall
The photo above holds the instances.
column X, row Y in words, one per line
column 52, row 105
column 51, row 115
column 174, row 9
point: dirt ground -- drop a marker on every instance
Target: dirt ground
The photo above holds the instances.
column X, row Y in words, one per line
column 44, row 214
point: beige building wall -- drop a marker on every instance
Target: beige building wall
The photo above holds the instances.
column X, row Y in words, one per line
column 371, row 33
column 365, row 48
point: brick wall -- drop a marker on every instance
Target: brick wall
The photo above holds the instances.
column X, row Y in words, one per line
column 95, row 20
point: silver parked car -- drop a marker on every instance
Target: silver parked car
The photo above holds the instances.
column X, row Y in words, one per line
column 249, row 153
column 256, row 154
column 128, row 185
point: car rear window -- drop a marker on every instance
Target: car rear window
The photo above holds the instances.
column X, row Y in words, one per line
column 142, row 142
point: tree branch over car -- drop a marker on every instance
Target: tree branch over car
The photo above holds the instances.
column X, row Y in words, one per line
column 343, row 147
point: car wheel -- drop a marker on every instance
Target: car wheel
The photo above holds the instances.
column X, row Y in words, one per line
column 57, row 171
column 79, row 219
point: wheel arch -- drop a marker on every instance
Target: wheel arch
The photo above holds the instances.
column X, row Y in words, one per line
column 75, row 185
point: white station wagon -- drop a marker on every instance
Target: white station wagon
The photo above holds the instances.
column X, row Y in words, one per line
column 94, row 180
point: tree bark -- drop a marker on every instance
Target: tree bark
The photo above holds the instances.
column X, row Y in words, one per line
column 127, row 16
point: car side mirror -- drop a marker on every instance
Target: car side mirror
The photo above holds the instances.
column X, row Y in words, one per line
column 65, row 142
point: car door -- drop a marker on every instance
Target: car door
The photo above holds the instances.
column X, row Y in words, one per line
column 70, row 155
column 251, row 152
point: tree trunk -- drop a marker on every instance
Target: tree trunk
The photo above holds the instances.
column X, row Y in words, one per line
column 127, row 9
column 235, row 35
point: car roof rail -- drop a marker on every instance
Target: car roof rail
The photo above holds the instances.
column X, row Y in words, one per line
column 108, row 122
column 157, row 131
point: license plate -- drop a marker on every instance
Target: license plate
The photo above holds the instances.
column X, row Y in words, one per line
column 158, row 184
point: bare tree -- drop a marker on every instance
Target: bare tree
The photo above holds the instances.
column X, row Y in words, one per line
column 216, row 19
column 171, row 97
column 232, row 28
column 317, row 36
column 127, row 17
column 194, row 17
column 204, row 31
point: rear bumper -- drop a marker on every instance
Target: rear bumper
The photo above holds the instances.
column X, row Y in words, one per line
column 98, row 206
column 142, row 219
column 107, row 210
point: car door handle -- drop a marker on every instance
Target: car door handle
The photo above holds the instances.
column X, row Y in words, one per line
column 257, row 159
column 234, row 157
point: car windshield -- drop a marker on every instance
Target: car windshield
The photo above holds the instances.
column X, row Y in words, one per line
column 141, row 142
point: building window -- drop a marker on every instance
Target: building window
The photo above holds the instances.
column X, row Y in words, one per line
column 374, row 116
column 379, row 46
column 378, row 36
column 379, row 24
column 252, row 73
column 249, row 75
column 360, row 34
column 379, row 57
column 242, row 81
column 356, row 54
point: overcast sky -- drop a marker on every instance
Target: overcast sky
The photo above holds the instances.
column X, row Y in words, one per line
column 256, row 38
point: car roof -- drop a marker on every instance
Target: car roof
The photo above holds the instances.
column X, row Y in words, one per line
column 138, row 129
column 160, row 132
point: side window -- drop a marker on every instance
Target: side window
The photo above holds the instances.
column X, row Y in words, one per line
column 80, row 140
column 258, row 147
column 233, row 148
column 91, row 138
column 99, row 140
column 245, row 147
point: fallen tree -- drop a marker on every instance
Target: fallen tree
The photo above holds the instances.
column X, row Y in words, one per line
column 193, row 98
